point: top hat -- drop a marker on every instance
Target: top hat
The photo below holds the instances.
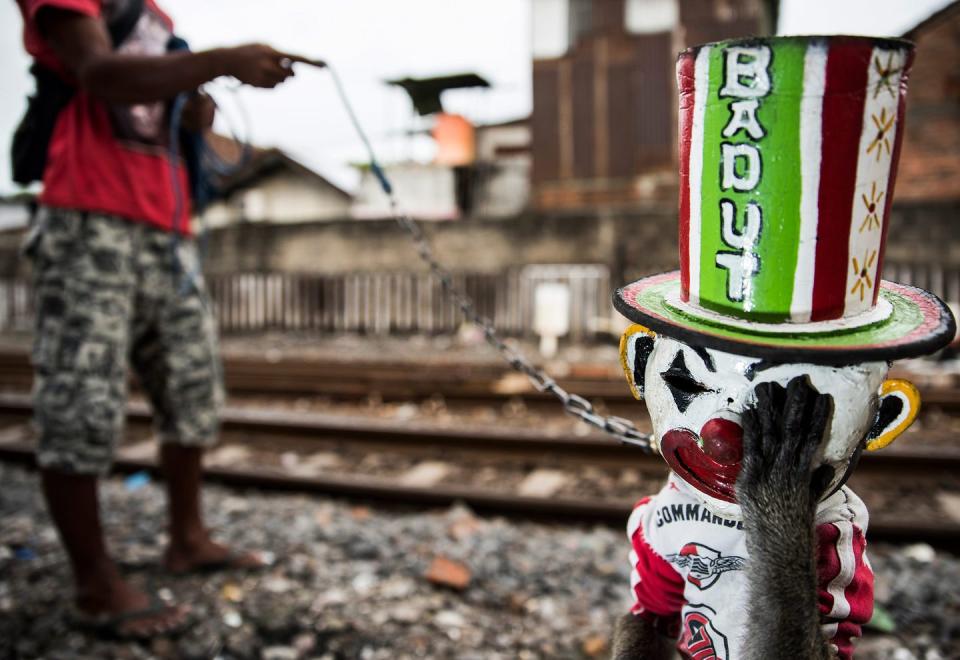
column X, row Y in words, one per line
column 788, row 156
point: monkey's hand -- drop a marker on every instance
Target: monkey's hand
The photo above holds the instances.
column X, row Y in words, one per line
column 781, row 436
column 778, row 491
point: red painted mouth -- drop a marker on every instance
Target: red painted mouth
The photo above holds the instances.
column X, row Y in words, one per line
column 714, row 474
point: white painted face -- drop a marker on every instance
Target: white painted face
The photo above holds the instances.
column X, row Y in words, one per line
column 696, row 397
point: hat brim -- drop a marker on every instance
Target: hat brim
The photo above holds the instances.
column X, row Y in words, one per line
column 919, row 323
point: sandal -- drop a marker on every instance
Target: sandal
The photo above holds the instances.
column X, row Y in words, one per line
column 114, row 626
column 243, row 561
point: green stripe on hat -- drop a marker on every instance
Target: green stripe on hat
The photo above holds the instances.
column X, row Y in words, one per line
column 743, row 270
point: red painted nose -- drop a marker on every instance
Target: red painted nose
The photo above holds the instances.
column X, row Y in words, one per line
column 722, row 440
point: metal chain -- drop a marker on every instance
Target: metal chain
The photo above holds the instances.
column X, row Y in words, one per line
column 574, row 404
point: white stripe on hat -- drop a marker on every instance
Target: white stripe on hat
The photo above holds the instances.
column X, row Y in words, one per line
column 811, row 138
column 874, row 159
column 701, row 77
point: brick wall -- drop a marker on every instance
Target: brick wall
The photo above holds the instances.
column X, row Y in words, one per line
column 604, row 114
column 930, row 159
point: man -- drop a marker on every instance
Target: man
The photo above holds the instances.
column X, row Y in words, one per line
column 109, row 274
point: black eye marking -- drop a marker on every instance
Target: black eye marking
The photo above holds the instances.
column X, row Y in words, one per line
column 642, row 348
column 890, row 409
column 706, row 357
column 683, row 386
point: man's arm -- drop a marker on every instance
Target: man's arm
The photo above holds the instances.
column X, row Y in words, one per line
column 778, row 492
column 83, row 44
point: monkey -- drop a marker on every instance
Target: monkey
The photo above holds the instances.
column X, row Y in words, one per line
column 803, row 531
column 781, row 436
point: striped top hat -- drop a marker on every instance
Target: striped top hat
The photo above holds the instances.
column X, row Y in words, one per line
column 788, row 156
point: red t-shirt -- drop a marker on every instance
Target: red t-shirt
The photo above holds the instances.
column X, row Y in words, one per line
column 108, row 157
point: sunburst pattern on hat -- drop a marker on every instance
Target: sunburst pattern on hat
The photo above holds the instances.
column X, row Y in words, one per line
column 862, row 270
column 872, row 205
column 883, row 124
column 888, row 76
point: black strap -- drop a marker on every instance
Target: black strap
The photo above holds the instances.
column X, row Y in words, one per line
column 121, row 25
column 31, row 139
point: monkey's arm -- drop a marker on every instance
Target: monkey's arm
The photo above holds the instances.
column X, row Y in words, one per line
column 650, row 630
column 636, row 638
column 778, row 493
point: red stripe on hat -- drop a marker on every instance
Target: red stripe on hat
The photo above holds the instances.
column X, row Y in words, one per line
column 686, row 82
column 843, row 99
column 897, row 141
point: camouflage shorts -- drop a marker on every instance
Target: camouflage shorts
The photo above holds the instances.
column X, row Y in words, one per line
column 108, row 290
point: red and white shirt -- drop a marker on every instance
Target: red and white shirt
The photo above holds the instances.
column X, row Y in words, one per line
column 688, row 571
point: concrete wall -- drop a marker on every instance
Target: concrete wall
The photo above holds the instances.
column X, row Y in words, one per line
column 502, row 189
column 629, row 245
column 425, row 190
column 280, row 198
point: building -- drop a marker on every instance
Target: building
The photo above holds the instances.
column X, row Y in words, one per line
column 493, row 183
column 271, row 187
column 502, row 179
column 923, row 247
column 604, row 94
column 930, row 157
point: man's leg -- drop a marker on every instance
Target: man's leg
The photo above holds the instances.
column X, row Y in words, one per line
column 191, row 546
column 100, row 588
column 175, row 356
column 79, row 355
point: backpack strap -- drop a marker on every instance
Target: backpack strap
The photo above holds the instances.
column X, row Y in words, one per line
column 121, row 26
column 31, row 139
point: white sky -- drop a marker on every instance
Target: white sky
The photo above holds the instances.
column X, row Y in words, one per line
column 369, row 41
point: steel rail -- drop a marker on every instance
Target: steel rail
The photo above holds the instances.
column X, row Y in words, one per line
column 352, row 380
column 410, row 435
column 888, row 467
column 883, row 527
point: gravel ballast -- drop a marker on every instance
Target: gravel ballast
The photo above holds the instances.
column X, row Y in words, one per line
column 353, row 581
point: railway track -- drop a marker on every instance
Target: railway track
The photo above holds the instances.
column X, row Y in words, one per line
column 406, row 380
column 913, row 493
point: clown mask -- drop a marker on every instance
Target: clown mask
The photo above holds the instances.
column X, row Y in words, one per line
column 696, row 398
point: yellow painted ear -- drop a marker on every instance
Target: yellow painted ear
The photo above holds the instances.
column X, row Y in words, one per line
column 899, row 405
column 635, row 338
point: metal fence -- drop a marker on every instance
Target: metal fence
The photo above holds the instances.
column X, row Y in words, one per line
column 410, row 303
column 377, row 303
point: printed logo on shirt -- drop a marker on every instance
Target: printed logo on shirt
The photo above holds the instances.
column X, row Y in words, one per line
column 692, row 512
column 699, row 640
column 142, row 124
column 704, row 564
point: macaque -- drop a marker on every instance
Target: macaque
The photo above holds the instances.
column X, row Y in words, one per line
column 763, row 359
column 755, row 548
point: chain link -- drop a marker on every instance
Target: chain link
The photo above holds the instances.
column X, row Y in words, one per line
column 574, row 404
